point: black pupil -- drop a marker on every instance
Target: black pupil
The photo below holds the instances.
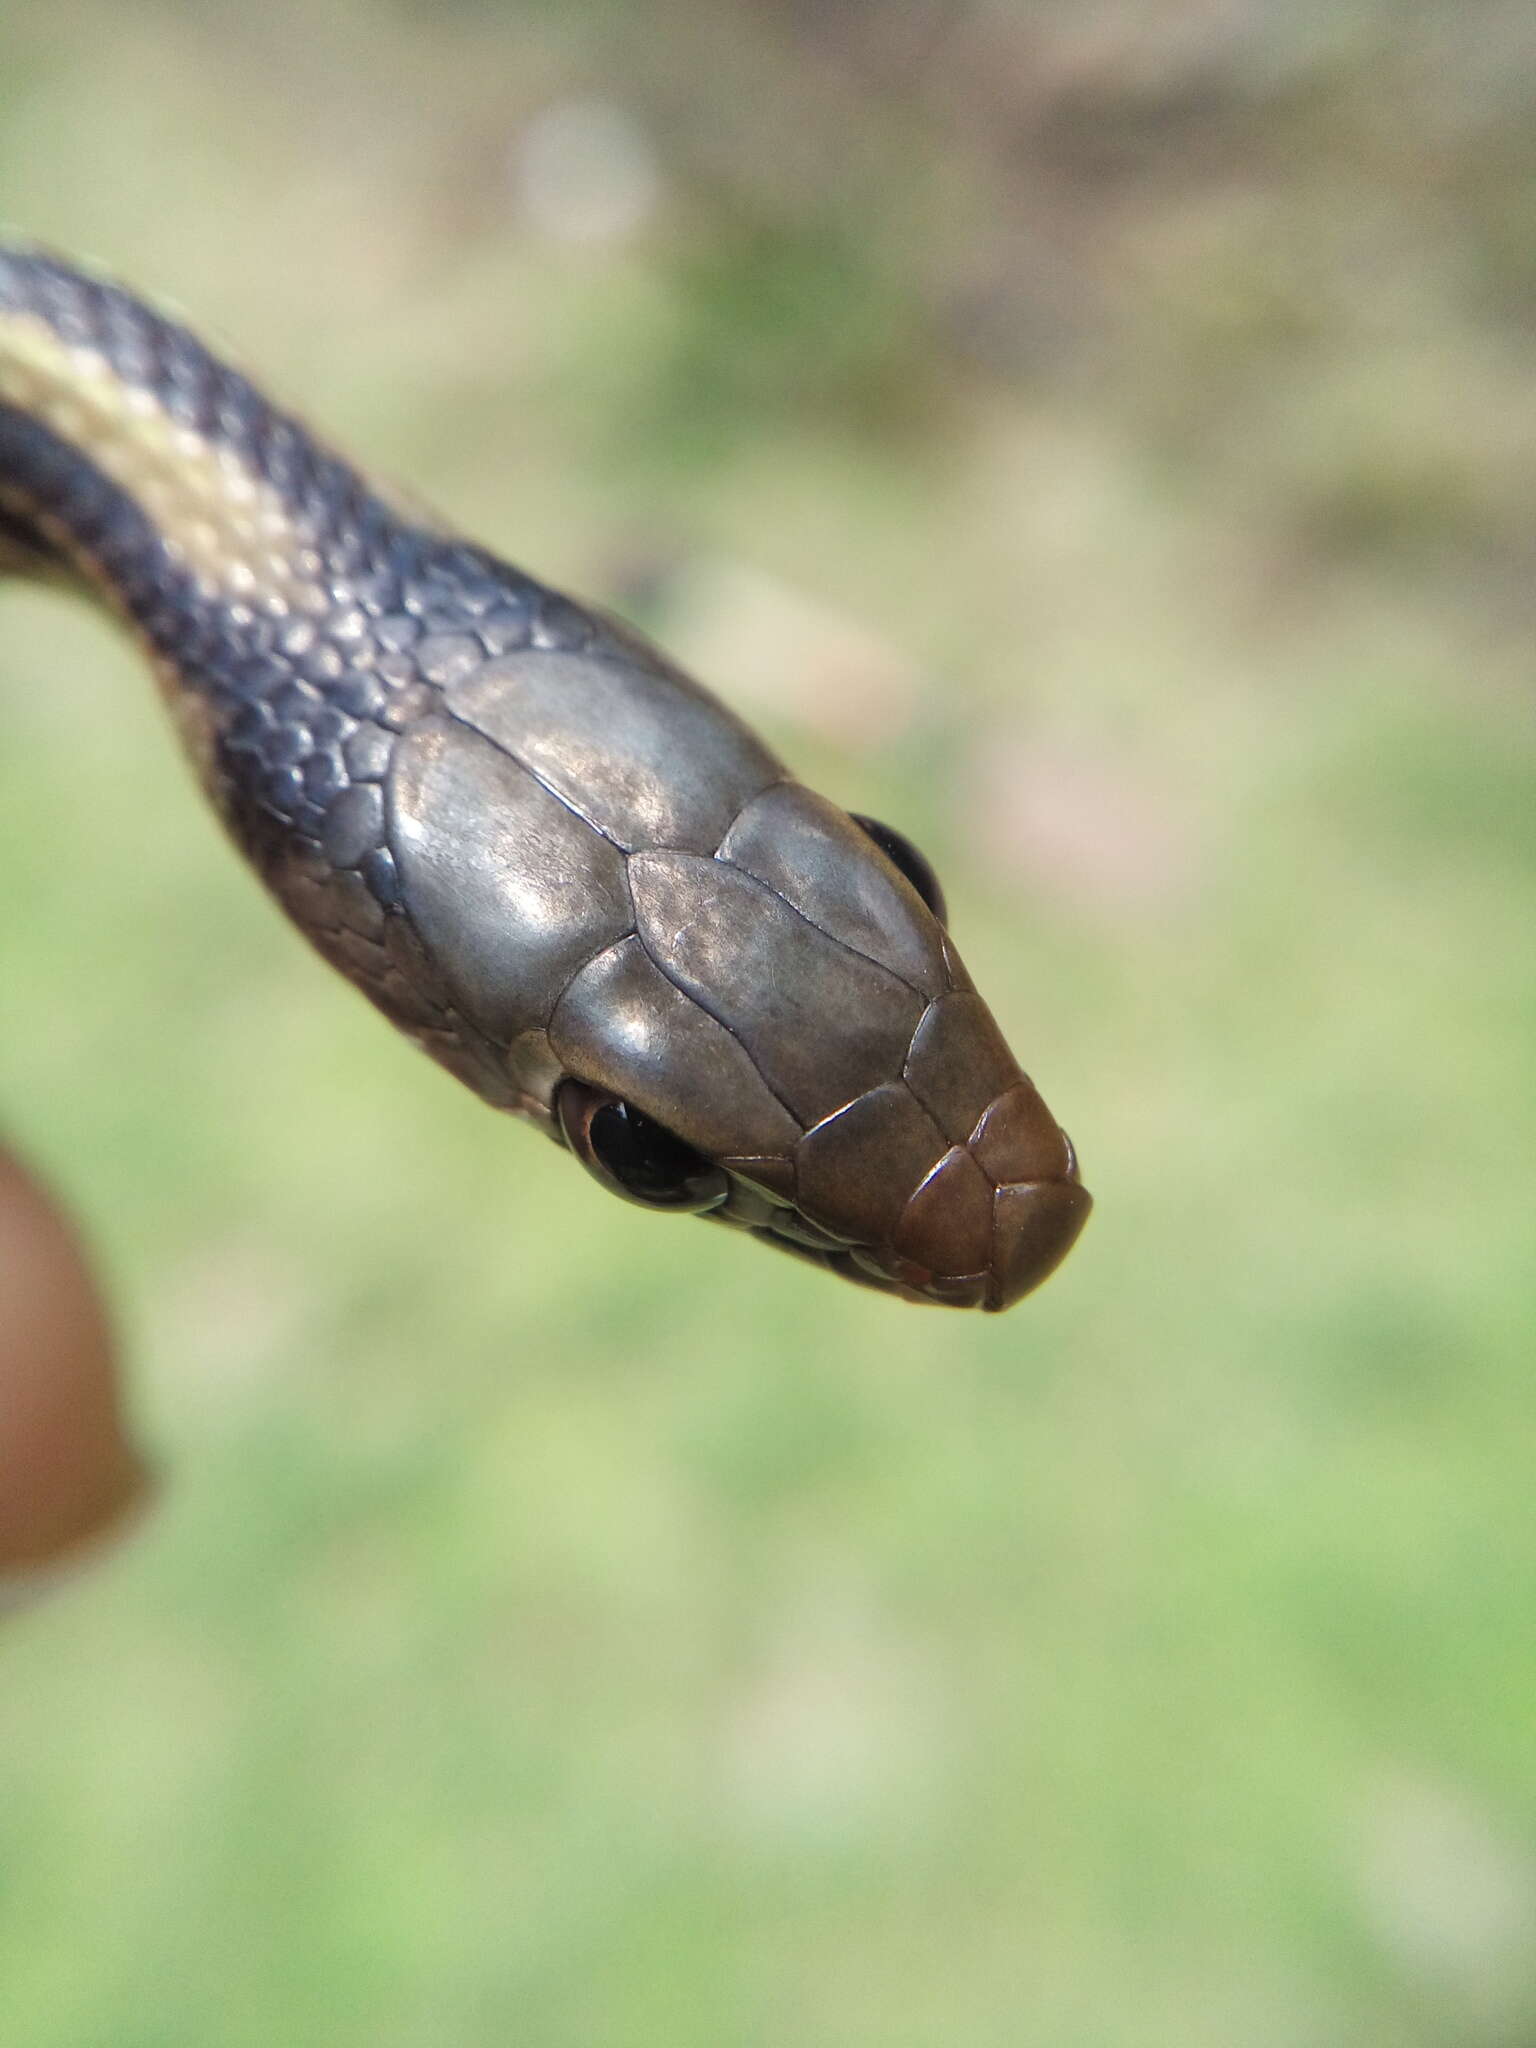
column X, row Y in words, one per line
column 904, row 857
column 643, row 1155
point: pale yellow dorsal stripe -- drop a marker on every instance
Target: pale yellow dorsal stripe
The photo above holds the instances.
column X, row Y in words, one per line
column 225, row 523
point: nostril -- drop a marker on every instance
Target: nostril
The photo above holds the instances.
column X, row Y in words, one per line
column 1036, row 1223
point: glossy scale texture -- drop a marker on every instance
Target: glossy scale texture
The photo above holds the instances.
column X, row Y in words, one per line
column 541, row 850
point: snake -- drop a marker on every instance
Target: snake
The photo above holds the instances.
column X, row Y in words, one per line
column 571, row 874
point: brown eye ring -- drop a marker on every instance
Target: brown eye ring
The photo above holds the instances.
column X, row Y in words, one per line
column 634, row 1156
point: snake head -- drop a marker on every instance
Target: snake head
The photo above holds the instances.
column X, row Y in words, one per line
column 724, row 994
column 788, row 1043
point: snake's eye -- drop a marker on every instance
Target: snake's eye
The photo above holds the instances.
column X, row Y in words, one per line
column 905, row 858
column 634, row 1156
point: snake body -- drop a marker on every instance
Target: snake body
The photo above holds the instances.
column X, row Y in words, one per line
column 564, row 869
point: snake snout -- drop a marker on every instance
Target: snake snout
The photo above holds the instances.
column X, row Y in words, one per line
column 1040, row 1205
column 998, row 1214
column 1036, row 1223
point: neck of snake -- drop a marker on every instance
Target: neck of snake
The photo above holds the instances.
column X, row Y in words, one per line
column 297, row 621
column 136, row 463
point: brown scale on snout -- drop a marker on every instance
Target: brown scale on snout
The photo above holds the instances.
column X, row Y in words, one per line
column 953, row 1184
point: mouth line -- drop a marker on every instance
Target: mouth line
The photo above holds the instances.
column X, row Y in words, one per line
column 881, row 1267
column 839, row 1259
column 864, row 1265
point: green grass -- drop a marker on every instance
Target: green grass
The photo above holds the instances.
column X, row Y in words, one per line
column 565, row 1627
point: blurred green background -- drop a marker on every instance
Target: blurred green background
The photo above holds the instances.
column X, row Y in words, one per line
column 1102, row 438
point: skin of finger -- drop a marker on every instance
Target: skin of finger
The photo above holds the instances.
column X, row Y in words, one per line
column 67, row 1469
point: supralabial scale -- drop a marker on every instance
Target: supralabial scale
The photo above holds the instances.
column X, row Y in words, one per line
column 548, row 856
